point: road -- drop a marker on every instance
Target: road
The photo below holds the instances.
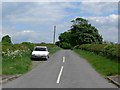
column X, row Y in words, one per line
column 65, row 69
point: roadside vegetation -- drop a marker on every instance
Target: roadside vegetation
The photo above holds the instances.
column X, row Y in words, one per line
column 16, row 57
column 111, row 51
column 85, row 40
column 103, row 65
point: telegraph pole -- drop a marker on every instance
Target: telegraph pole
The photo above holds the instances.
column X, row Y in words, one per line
column 54, row 35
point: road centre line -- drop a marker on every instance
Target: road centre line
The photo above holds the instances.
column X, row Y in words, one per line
column 63, row 59
column 59, row 76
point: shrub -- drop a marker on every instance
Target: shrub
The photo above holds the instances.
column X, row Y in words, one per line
column 65, row 45
column 6, row 40
column 108, row 50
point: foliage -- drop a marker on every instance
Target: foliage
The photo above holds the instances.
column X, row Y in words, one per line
column 17, row 62
column 81, row 32
column 65, row 45
column 111, row 51
column 6, row 40
column 16, row 57
column 103, row 65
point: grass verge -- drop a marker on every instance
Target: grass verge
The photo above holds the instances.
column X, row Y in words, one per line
column 16, row 60
column 54, row 50
column 19, row 65
column 104, row 66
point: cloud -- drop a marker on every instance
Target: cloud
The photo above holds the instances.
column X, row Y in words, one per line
column 107, row 26
column 103, row 21
column 37, row 13
column 99, row 8
column 60, row 1
column 40, row 16
column 28, row 36
column 28, row 21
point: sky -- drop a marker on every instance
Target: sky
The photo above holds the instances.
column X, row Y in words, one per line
column 34, row 21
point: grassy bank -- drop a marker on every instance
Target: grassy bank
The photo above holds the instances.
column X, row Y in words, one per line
column 111, row 51
column 16, row 58
column 18, row 65
column 103, row 65
column 54, row 50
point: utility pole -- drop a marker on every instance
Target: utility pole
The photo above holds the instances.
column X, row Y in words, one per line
column 54, row 35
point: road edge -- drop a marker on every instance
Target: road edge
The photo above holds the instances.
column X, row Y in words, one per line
column 10, row 78
column 113, row 81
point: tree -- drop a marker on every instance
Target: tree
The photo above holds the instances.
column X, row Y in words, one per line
column 64, row 37
column 64, row 40
column 6, row 40
column 81, row 32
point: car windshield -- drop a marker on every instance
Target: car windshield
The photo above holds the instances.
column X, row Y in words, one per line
column 40, row 49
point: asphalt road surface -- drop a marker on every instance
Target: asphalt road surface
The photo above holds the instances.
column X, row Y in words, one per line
column 65, row 69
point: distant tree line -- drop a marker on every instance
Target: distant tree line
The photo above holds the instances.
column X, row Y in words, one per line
column 81, row 32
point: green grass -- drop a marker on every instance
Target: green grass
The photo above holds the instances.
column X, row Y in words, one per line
column 19, row 65
column 104, row 66
column 54, row 50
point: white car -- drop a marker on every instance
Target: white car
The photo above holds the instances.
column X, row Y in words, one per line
column 40, row 52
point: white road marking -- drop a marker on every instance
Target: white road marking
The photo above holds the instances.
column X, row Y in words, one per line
column 63, row 59
column 58, row 79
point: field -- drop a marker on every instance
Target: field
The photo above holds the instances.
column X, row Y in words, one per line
column 16, row 58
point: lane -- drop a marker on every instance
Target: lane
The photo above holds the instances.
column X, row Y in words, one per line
column 65, row 69
column 43, row 76
column 78, row 73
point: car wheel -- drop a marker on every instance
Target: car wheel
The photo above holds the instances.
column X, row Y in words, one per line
column 47, row 57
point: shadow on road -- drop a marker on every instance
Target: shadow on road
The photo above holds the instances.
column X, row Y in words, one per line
column 38, row 59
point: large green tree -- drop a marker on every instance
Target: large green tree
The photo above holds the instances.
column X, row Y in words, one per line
column 81, row 32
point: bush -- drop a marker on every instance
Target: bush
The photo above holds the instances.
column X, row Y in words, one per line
column 108, row 50
column 15, row 59
column 111, row 50
column 6, row 40
column 65, row 45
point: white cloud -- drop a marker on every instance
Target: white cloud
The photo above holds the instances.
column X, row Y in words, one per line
column 60, row 0
column 110, row 20
column 39, row 13
column 27, row 31
column 100, row 1
column 27, row 36
column 42, row 16
column 98, row 8
column 107, row 26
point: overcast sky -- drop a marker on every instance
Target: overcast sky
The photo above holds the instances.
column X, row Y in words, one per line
column 33, row 22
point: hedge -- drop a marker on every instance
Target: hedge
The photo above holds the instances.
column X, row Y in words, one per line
column 108, row 50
